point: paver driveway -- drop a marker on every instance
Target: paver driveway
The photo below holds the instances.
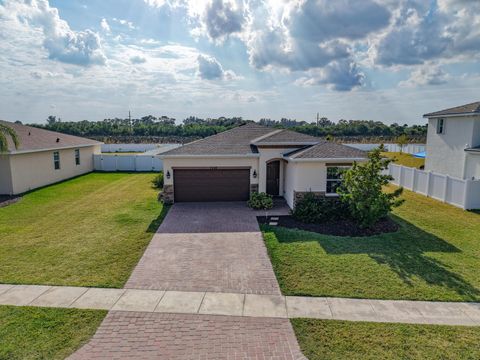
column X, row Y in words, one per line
column 207, row 247
column 130, row 335
column 199, row 247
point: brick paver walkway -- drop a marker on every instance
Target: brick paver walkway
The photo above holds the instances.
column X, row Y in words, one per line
column 131, row 335
column 202, row 247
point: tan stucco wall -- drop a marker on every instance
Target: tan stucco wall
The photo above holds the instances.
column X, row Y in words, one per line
column 267, row 155
column 302, row 177
column 305, row 177
column 33, row 170
column 310, row 176
column 5, row 176
column 168, row 164
column 289, row 183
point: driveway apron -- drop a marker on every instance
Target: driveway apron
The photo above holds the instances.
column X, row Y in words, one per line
column 211, row 247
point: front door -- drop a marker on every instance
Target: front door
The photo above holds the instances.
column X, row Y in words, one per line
column 273, row 178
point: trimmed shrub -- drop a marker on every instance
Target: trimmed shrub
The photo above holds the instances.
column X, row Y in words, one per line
column 362, row 190
column 313, row 209
column 157, row 182
column 260, row 201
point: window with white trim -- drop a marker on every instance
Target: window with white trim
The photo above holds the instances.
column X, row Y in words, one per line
column 77, row 156
column 334, row 178
column 440, row 126
column 56, row 160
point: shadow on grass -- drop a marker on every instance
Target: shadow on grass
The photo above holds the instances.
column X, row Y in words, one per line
column 403, row 251
column 155, row 224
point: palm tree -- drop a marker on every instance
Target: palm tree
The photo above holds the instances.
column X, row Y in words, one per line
column 4, row 132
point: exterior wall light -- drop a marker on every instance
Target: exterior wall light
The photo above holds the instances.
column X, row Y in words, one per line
column 168, row 174
column 254, row 174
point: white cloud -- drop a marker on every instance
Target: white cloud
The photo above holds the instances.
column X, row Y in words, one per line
column 325, row 37
column 138, row 59
column 156, row 3
column 223, row 18
column 429, row 74
column 342, row 75
column 62, row 43
column 210, row 69
column 320, row 20
column 420, row 33
column 104, row 25
column 125, row 23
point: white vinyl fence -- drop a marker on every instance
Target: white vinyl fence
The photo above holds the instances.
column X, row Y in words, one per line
column 112, row 148
column 103, row 162
column 408, row 149
column 146, row 161
column 461, row 193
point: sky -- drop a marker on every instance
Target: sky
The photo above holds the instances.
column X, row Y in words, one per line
column 386, row 60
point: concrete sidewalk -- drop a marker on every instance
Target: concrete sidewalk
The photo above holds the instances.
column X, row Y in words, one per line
column 242, row 305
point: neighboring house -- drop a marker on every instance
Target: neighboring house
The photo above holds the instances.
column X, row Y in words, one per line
column 230, row 165
column 453, row 141
column 43, row 157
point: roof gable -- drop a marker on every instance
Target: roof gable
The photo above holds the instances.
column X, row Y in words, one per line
column 288, row 136
column 327, row 150
column 36, row 139
column 468, row 109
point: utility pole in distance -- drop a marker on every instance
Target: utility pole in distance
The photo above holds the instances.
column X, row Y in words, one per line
column 318, row 116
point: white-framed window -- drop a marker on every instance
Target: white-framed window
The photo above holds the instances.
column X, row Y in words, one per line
column 77, row 156
column 56, row 160
column 440, row 126
column 334, row 178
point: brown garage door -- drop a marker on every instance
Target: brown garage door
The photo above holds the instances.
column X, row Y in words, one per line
column 211, row 184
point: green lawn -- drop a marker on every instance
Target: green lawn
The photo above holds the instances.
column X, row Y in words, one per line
column 405, row 159
column 41, row 333
column 434, row 256
column 327, row 339
column 88, row 231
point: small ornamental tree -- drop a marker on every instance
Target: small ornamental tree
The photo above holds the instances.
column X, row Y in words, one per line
column 401, row 141
column 362, row 189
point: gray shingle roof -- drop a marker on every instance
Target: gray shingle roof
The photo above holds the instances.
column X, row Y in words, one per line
column 34, row 139
column 285, row 136
column 235, row 141
column 458, row 110
column 327, row 150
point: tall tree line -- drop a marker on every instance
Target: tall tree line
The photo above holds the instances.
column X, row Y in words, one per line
column 194, row 127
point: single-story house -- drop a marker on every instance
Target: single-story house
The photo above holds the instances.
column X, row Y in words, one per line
column 252, row 158
column 453, row 141
column 42, row 158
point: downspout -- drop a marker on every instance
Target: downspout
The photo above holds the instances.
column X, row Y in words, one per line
column 464, row 170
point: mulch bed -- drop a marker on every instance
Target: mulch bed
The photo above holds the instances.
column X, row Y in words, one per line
column 6, row 200
column 336, row 228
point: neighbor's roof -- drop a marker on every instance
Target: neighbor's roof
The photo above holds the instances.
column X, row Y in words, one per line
column 34, row 139
column 238, row 141
column 327, row 150
column 468, row 109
